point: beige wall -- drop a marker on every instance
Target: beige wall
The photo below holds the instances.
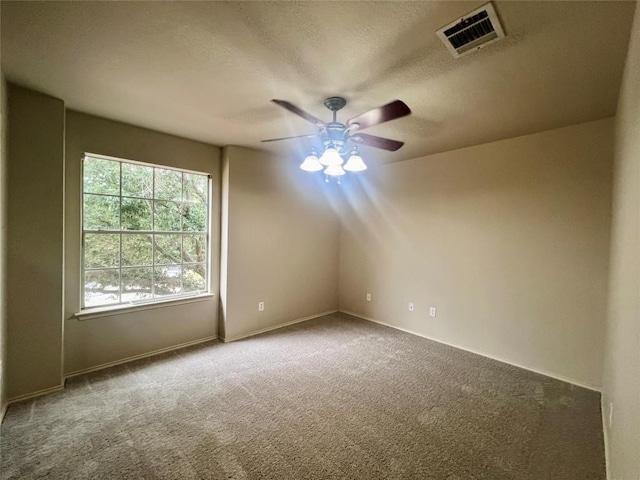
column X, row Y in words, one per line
column 35, row 140
column 509, row 240
column 3, row 245
column 282, row 240
column 621, row 393
column 98, row 341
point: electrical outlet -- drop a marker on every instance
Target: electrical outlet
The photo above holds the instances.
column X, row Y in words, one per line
column 260, row 306
column 368, row 297
column 432, row 311
column 412, row 306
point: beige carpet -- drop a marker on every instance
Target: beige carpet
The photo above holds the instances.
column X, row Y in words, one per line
column 335, row 397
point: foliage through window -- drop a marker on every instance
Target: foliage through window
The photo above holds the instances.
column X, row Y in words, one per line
column 144, row 232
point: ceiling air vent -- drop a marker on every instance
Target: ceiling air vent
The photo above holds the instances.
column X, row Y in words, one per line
column 475, row 30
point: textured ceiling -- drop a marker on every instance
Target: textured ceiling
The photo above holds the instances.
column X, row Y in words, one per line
column 207, row 70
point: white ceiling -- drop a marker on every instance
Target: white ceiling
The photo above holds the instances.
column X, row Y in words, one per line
column 207, row 70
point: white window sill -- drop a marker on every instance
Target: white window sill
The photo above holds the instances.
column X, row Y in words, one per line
column 112, row 310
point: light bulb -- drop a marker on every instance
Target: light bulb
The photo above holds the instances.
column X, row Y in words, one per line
column 334, row 170
column 311, row 163
column 331, row 157
column 355, row 163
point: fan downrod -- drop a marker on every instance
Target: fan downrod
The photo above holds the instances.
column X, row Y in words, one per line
column 335, row 103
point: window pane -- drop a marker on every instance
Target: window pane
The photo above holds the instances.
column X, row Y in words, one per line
column 137, row 181
column 136, row 284
column 193, row 278
column 136, row 214
column 136, row 250
column 168, row 249
column 194, row 218
column 194, row 248
column 101, row 176
column 101, row 287
column 168, row 184
column 101, row 213
column 131, row 263
column 101, row 250
column 196, row 188
column 167, row 217
column 167, row 280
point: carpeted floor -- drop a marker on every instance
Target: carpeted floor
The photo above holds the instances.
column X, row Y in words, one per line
column 335, row 397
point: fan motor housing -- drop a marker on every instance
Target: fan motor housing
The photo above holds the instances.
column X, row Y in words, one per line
column 336, row 134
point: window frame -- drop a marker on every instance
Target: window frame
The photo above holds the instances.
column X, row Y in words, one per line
column 153, row 302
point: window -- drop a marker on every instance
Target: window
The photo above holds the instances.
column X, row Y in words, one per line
column 145, row 232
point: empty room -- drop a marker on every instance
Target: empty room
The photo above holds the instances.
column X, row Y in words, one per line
column 320, row 240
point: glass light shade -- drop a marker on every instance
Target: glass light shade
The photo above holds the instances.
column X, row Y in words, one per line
column 331, row 157
column 355, row 163
column 334, row 170
column 311, row 164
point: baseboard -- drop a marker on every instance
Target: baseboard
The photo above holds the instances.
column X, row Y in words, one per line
column 3, row 411
column 39, row 393
column 275, row 327
column 138, row 357
column 483, row 354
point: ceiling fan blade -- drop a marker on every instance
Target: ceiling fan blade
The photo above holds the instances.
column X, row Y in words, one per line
column 377, row 142
column 390, row 111
column 301, row 113
column 309, row 135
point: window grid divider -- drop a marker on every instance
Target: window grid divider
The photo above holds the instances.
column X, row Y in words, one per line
column 153, row 239
column 120, row 236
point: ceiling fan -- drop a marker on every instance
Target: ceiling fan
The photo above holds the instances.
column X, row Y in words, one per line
column 336, row 136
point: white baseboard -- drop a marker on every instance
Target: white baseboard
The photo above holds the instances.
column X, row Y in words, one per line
column 483, row 354
column 39, row 393
column 138, row 357
column 275, row 327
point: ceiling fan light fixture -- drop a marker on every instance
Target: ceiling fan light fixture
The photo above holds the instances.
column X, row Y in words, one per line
column 331, row 157
column 355, row 162
column 334, row 171
column 336, row 136
column 311, row 163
